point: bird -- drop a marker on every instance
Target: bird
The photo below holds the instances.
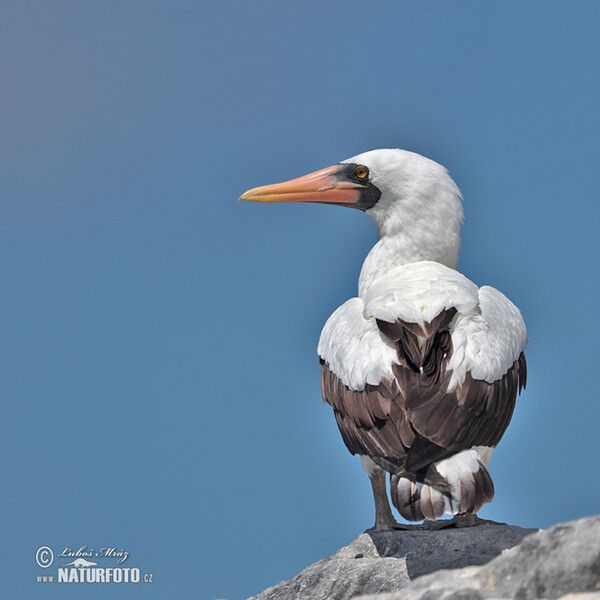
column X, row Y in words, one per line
column 422, row 368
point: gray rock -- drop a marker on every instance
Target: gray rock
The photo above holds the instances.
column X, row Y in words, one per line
column 378, row 562
column 562, row 562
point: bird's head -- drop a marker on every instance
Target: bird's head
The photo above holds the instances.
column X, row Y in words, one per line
column 407, row 195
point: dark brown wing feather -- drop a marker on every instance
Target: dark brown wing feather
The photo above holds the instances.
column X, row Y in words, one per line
column 407, row 424
column 476, row 413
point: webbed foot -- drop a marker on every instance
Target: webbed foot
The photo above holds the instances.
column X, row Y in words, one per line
column 393, row 525
column 459, row 521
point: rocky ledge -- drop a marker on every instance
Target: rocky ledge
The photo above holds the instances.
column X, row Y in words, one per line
column 488, row 561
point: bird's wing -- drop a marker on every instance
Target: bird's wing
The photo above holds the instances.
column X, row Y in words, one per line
column 359, row 383
column 426, row 366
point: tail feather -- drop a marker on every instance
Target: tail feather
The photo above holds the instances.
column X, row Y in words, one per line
column 468, row 487
column 432, row 503
column 406, row 497
column 484, row 489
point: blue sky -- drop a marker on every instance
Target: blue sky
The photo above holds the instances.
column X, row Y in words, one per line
column 158, row 368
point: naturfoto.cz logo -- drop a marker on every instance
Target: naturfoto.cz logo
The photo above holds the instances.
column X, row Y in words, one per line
column 83, row 566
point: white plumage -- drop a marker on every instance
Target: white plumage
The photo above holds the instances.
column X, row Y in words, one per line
column 354, row 348
column 488, row 333
column 487, row 339
column 418, row 292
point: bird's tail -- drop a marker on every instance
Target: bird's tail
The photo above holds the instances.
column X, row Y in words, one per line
column 469, row 488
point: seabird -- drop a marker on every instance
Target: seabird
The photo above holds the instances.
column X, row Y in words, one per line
column 422, row 369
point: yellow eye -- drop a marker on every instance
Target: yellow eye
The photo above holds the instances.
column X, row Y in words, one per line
column 361, row 172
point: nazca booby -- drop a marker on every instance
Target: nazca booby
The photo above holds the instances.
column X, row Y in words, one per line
column 422, row 369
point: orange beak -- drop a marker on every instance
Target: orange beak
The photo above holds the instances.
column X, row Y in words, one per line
column 320, row 186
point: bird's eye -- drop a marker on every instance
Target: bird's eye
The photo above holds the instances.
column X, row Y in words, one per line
column 361, row 172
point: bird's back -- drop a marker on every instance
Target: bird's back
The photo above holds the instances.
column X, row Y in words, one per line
column 422, row 373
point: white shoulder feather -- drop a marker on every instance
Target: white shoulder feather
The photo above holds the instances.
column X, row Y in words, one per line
column 487, row 340
column 418, row 292
column 354, row 348
column 488, row 332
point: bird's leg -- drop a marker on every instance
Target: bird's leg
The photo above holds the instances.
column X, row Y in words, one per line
column 384, row 519
column 458, row 521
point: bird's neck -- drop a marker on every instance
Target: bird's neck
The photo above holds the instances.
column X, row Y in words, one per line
column 392, row 251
